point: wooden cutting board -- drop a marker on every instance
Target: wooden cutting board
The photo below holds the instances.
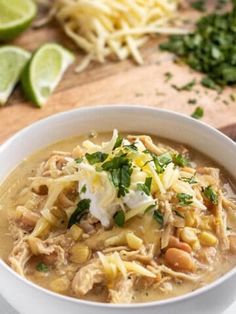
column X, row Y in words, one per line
column 117, row 83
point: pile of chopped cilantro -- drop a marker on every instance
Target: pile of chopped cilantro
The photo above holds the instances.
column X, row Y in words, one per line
column 211, row 49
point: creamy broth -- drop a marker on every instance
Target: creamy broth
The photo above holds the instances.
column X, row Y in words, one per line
column 44, row 272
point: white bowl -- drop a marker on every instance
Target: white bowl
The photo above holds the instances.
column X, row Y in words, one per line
column 29, row 298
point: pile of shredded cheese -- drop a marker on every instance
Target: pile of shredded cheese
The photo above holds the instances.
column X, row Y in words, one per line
column 105, row 28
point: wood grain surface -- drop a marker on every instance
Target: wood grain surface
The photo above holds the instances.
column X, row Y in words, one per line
column 117, row 83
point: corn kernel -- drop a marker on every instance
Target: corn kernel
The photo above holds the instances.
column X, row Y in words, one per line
column 76, row 232
column 188, row 235
column 207, row 239
column 133, row 241
column 196, row 245
column 60, row 285
column 80, row 253
column 190, row 219
column 206, row 223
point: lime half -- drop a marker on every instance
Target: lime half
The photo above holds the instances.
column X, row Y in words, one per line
column 12, row 62
column 15, row 17
column 44, row 72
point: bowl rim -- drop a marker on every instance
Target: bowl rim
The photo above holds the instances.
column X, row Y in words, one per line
column 65, row 114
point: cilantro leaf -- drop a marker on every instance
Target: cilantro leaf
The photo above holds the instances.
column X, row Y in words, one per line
column 79, row 160
column 118, row 142
column 187, row 87
column 162, row 161
column 42, row 268
column 198, row 113
column 81, row 209
column 192, row 101
column 180, row 160
column 120, row 170
column 116, row 163
column 211, row 195
column 168, row 76
column 96, row 157
column 198, row 5
column 83, row 189
column 131, row 147
column 146, row 187
column 209, row 83
column 191, row 180
column 119, row 218
column 158, row 216
column 184, row 199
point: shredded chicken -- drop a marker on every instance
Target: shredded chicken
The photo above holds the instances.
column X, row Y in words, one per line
column 168, row 225
column 19, row 257
column 176, row 274
column 87, row 277
column 147, row 142
column 122, row 291
column 209, row 176
column 53, row 253
column 221, row 224
column 144, row 255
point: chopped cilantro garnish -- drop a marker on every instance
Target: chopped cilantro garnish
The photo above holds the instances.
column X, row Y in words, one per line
column 158, row 216
column 116, row 162
column 83, row 189
column 81, row 209
column 118, row 142
column 79, row 160
column 198, row 113
column 150, row 207
column 210, row 48
column 192, row 101
column 211, row 195
column 191, row 180
column 168, row 76
column 146, row 187
column 198, row 5
column 96, row 157
column 41, row 267
column 233, row 97
column 209, row 83
column 180, row 160
column 184, row 199
column 120, row 170
column 187, row 87
column 131, row 147
column 119, row 218
column 162, row 161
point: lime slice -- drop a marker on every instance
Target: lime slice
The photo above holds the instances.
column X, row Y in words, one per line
column 44, row 72
column 15, row 17
column 12, row 62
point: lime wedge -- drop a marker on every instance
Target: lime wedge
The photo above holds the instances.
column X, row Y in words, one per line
column 12, row 62
column 15, row 17
column 44, row 72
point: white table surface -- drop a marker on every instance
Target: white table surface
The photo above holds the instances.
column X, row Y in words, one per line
column 5, row 308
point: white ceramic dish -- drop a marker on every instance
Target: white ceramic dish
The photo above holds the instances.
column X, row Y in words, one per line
column 7, row 309
column 28, row 298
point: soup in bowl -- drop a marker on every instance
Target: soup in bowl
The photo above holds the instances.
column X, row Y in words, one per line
column 120, row 216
